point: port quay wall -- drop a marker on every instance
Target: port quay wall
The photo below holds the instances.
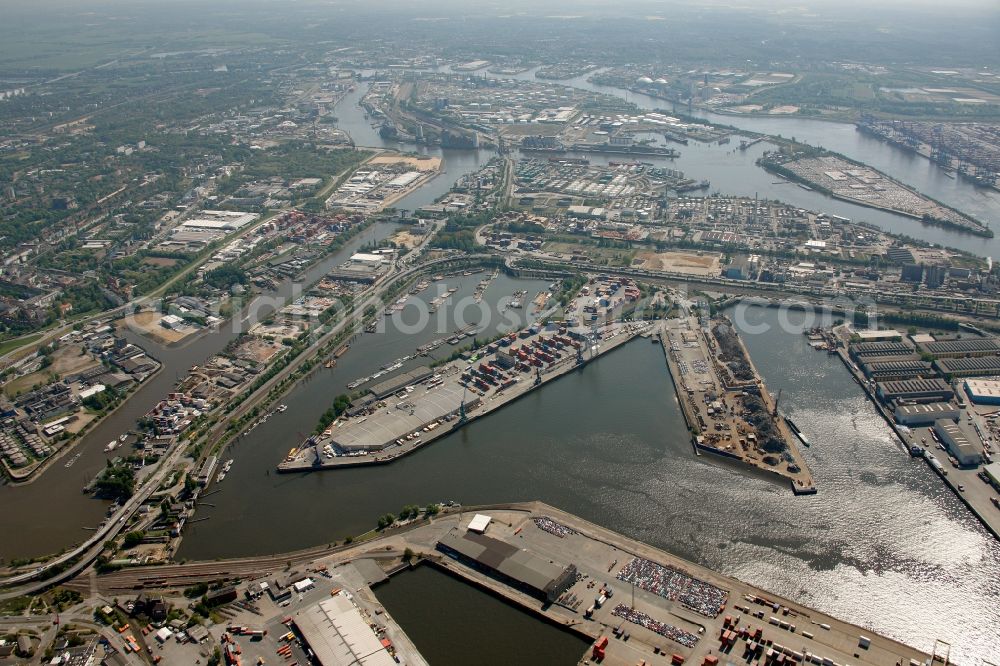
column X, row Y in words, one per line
column 990, row 526
column 568, row 365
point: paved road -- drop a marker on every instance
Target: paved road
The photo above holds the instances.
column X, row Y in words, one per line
column 88, row 551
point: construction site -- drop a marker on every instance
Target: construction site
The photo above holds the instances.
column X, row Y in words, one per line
column 725, row 403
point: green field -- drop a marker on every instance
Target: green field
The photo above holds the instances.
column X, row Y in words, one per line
column 11, row 345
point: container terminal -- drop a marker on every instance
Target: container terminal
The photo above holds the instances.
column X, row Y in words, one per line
column 725, row 403
column 633, row 603
column 407, row 411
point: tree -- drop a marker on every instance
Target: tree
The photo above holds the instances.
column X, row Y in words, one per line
column 134, row 538
column 407, row 555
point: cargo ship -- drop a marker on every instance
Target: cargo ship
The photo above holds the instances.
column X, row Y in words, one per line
column 795, row 429
column 608, row 148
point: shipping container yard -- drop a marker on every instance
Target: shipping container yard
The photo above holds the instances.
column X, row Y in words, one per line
column 403, row 413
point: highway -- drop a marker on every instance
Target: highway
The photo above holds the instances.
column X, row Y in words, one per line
column 88, row 551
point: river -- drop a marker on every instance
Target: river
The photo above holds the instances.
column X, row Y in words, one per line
column 52, row 513
column 734, row 172
column 742, row 176
column 608, row 443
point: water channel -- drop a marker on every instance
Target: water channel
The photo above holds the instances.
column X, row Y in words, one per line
column 451, row 622
column 609, row 443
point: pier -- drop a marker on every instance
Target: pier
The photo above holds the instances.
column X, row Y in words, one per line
column 411, row 414
column 976, row 496
column 633, row 602
column 715, row 401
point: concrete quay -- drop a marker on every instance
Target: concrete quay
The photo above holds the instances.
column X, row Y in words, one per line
column 604, row 559
column 965, row 483
column 711, row 404
column 421, row 413
column 656, row 607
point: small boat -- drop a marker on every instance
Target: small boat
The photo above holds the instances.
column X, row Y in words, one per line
column 282, row 408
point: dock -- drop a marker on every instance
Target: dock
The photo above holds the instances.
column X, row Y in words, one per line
column 664, row 605
column 632, row 602
column 714, row 398
column 975, row 496
column 418, row 412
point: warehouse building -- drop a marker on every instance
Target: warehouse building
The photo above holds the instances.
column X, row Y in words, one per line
column 983, row 391
column 922, row 414
column 877, row 336
column 969, row 366
column 887, row 370
column 393, row 384
column 962, row 347
column 993, row 473
column 961, row 443
column 873, row 349
column 518, row 568
column 927, row 390
column 339, row 635
column 206, row 470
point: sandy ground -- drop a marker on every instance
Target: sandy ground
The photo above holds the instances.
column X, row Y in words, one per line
column 680, row 262
column 419, row 163
column 405, row 239
column 257, row 349
column 82, row 419
column 148, row 324
column 66, row 360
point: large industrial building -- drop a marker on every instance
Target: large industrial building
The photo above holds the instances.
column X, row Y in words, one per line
column 961, row 443
column 983, row 391
column 915, row 389
column 225, row 220
column 962, row 347
column 873, row 349
column 882, row 370
column 926, row 413
column 393, row 384
column 362, row 267
column 518, row 568
column 877, row 335
column 339, row 635
column 969, row 366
